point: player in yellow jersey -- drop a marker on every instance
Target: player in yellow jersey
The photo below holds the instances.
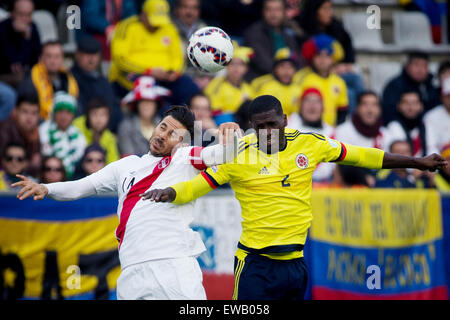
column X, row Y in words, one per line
column 272, row 177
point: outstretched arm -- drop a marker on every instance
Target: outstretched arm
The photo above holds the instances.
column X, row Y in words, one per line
column 61, row 191
column 373, row 158
column 432, row 162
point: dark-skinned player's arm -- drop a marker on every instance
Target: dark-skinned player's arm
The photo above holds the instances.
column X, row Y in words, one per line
column 182, row 192
column 373, row 158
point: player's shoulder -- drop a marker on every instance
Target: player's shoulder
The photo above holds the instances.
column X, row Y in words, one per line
column 246, row 141
column 301, row 136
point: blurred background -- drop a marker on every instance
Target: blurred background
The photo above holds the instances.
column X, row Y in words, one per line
column 80, row 87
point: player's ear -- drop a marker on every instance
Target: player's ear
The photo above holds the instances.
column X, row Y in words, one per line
column 285, row 120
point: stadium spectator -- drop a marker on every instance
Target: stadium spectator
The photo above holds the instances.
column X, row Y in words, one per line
column 351, row 177
column 14, row 161
column 22, row 127
column 308, row 118
column 59, row 137
column 242, row 116
column 267, row 36
column 52, row 170
column 415, row 76
column 91, row 82
column 21, row 44
column 409, row 125
column 144, row 102
column 437, row 120
column 444, row 71
column 396, row 178
column 49, row 76
column 365, row 127
column 442, row 178
column 187, row 18
column 228, row 92
column 200, row 106
column 322, row 52
column 100, row 17
column 316, row 16
column 280, row 82
column 94, row 126
column 234, row 16
column 94, row 159
column 149, row 44
column 202, row 79
column 7, row 100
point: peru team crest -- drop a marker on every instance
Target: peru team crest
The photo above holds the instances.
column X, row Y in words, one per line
column 302, row 161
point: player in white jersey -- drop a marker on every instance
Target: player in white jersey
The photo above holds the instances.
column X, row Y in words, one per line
column 157, row 248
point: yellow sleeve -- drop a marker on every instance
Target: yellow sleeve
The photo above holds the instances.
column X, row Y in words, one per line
column 120, row 49
column 370, row 158
column 201, row 184
column 347, row 154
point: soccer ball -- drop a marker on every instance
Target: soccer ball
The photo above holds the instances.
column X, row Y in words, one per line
column 210, row 49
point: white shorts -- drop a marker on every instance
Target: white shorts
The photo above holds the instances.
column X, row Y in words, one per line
column 165, row 279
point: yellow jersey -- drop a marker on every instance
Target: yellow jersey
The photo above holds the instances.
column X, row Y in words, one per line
column 287, row 94
column 274, row 190
column 226, row 97
column 134, row 50
column 334, row 93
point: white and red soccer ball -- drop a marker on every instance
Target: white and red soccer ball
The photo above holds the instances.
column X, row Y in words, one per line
column 210, row 49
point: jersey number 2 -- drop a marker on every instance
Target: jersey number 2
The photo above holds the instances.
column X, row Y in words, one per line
column 284, row 182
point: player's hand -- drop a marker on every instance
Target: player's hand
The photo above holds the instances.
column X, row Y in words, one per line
column 432, row 162
column 160, row 195
column 226, row 132
column 30, row 188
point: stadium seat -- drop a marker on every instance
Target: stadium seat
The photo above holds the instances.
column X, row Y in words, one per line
column 3, row 14
column 46, row 25
column 365, row 39
column 412, row 31
column 380, row 73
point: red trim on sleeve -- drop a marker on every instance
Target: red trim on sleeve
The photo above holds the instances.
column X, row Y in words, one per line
column 210, row 182
column 343, row 152
column 196, row 159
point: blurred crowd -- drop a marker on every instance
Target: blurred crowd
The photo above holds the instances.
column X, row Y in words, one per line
column 60, row 123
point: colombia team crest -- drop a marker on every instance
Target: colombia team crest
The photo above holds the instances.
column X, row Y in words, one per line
column 302, row 161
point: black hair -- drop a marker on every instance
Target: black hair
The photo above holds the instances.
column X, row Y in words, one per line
column 444, row 66
column 27, row 98
column 282, row 1
column 263, row 104
column 44, row 164
column 308, row 15
column 15, row 144
column 365, row 93
column 95, row 103
column 52, row 43
column 409, row 91
column 184, row 116
column 418, row 55
column 353, row 176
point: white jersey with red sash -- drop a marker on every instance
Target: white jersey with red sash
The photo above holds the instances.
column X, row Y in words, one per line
column 149, row 230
